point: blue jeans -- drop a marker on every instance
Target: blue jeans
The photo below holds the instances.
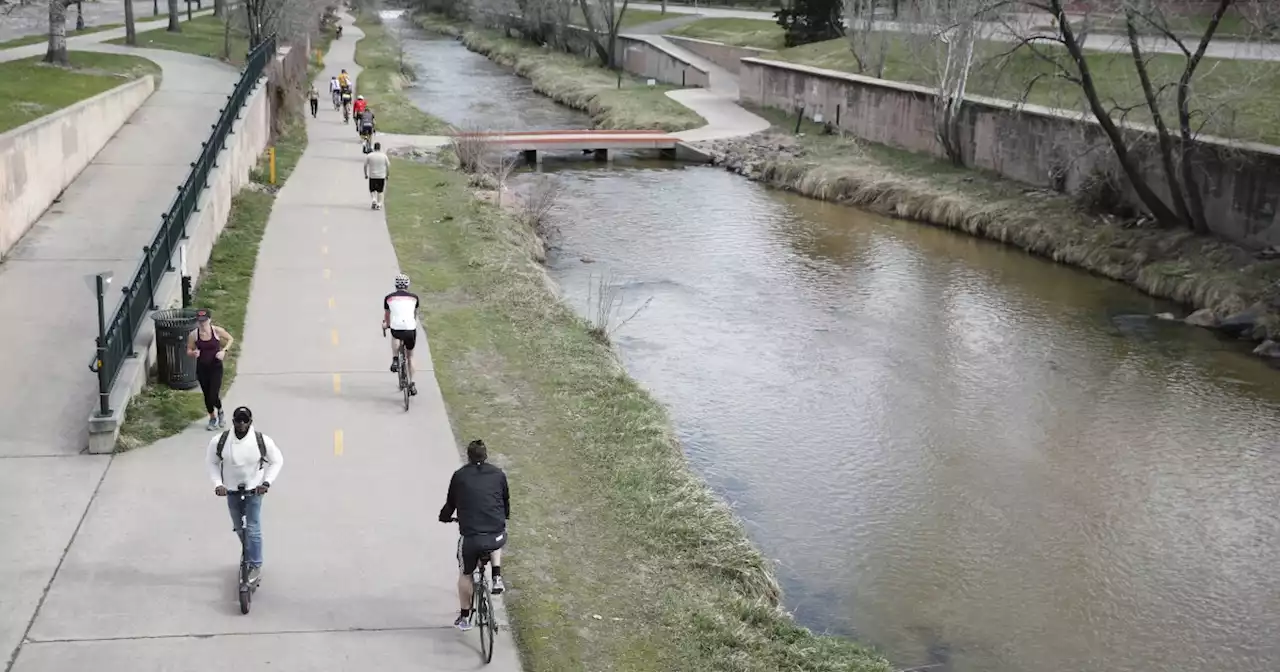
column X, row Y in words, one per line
column 251, row 509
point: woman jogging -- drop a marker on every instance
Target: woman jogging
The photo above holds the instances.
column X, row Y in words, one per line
column 209, row 345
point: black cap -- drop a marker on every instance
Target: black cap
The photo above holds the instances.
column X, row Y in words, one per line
column 202, row 315
column 242, row 414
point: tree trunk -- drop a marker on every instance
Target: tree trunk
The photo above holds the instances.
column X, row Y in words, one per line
column 174, row 26
column 226, row 38
column 130, row 30
column 220, row 8
column 57, row 53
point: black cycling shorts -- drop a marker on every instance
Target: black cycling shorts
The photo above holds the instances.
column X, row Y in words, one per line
column 471, row 548
column 409, row 336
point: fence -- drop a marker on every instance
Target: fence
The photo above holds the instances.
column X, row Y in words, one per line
column 116, row 341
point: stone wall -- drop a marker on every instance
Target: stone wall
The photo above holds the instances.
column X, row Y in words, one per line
column 726, row 56
column 40, row 159
column 1049, row 148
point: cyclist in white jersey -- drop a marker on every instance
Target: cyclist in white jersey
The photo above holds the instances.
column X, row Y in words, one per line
column 400, row 315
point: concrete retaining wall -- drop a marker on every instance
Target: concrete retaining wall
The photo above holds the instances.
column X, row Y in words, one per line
column 250, row 137
column 1057, row 149
column 726, row 56
column 40, row 159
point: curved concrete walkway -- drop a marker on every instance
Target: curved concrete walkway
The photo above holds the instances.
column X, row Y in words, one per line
column 100, row 223
column 359, row 575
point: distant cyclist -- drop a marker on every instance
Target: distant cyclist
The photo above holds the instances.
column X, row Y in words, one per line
column 344, row 81
column 359, row 105
column 364, row 125
column 478, row 493
column 400, row 315
column 335, row 92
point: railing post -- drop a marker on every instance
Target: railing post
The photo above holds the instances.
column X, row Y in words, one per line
column 151, row 283
column 127, row 307
column 104, row 389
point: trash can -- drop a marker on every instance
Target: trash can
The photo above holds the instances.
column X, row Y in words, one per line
column 174, row 367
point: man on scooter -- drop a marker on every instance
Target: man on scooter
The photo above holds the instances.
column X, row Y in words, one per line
column 246, row 457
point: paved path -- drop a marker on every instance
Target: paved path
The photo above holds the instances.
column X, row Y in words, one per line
column 101, row 223
column 1261, row 51
column 358, row 576
column 82, row 41
column 33, row 19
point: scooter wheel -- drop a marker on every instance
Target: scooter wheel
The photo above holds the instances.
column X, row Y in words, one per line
column 245, row 598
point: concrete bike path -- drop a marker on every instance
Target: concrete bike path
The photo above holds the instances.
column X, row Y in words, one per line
column 358, row 573
column 82, row 42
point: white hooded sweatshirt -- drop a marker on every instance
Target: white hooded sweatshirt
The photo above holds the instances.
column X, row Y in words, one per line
column 240, row 461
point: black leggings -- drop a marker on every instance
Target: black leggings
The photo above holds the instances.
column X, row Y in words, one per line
column 315, row 105
column 210, row 377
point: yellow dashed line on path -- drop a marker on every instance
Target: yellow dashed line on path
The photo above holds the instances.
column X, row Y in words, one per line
column 324, row 249
column 326, row 274
column 337, row 384
column 337, row 442
column 331, row 303
column 333, row 333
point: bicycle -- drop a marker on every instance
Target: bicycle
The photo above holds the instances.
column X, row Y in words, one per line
column 402, row 370
column 247, row 587
column 482, row 616
column 337, row 99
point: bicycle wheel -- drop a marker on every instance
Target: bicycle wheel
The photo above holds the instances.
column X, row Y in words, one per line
column 486, row 625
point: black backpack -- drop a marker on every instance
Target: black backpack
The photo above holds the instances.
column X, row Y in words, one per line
column 262, row 447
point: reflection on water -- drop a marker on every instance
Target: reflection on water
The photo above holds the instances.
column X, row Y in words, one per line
column 958, row 453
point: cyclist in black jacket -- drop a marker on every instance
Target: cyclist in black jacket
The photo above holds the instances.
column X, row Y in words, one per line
column 478, row 492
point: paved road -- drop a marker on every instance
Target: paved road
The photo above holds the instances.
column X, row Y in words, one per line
column 101, row 223
column 1100, row 42
column 358, row 574
column 142, row 24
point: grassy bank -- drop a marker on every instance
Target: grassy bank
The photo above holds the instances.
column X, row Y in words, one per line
column 1196, row 270
column 159, row 411
column 737, row 32
column 202, row 36
column 578, row 82
column 382, row 79
column 630, row 19
column 623, row 560
column 30, row 89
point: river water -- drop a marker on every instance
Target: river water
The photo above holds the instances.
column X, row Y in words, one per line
column 960, row 454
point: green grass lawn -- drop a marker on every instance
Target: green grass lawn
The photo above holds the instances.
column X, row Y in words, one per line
column 737, row 32
column 30, row 89
column 1240, row 98
column 381, row 82
column 1233, row 26
column 202, row 36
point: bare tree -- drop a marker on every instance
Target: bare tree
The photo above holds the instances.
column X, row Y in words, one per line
column 868, row 45
column 130, row 29
column 538, row 200
column 57, row 52
column 945, row 38
column 220, row 8
column 605, row 300
column 604, row 20
column 174, row 25
column 1177, row 110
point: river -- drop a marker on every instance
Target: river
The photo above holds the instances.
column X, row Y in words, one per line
column 958, row 453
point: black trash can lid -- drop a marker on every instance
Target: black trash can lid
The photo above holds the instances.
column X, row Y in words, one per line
column 175, row 318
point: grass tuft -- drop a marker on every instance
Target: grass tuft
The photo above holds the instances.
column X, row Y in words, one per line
column 661, row 576
column 382, row 79
column 159, row 411
column 30, row 89
column 578, row 83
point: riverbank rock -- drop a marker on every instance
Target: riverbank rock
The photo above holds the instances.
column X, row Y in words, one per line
column 1268, row 349
column 748, row 155
column 1244, row 323
column 1202, row 318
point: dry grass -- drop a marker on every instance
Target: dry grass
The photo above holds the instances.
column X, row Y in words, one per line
column 1196, row 270
column 623, row 559
column 578, row 82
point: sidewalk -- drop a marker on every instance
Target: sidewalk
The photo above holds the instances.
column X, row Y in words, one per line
column 82, row 42
column 100, row 223
column 358, row 574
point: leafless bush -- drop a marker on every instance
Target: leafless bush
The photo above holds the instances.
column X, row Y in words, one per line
column 538, row 200
column 481, row 154
column 605, row 300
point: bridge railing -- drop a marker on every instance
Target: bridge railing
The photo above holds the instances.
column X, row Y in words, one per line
column 116, row 342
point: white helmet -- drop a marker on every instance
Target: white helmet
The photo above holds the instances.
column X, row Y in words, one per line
column 359, row 97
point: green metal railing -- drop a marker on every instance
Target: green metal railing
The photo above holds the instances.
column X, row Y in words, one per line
column 116, row 335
